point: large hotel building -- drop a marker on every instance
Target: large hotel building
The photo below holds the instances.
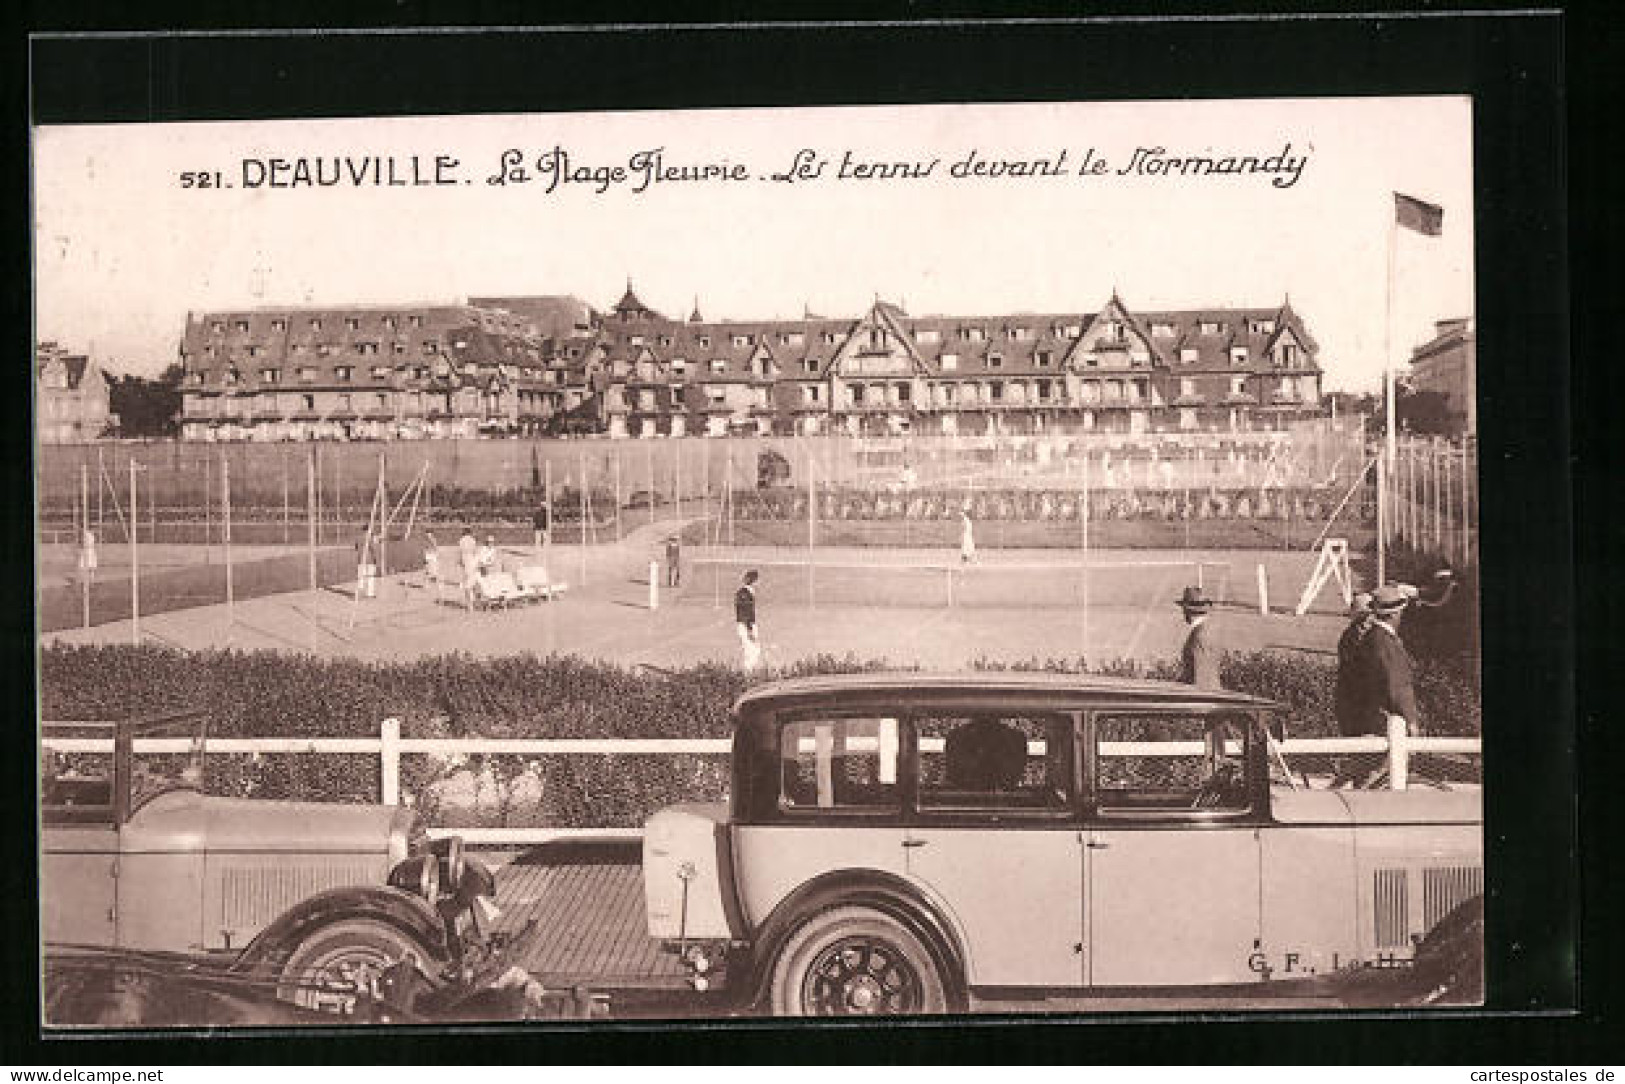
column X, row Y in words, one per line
column 546, row 365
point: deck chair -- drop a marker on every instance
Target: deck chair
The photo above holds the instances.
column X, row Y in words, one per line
column 534, row 578
column 490, row 590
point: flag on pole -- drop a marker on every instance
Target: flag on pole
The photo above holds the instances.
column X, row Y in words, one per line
column 1413, row 214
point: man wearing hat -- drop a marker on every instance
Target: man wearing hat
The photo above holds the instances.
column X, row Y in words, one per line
column 1199, row 658
column 1349, row 696
column 1385, row 665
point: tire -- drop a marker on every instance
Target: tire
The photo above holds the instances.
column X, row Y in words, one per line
column 322, row 972
column 855, row 961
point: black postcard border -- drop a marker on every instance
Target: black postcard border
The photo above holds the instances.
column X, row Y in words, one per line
column 1511, row 64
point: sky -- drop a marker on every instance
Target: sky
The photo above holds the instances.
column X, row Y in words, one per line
column 123, row 251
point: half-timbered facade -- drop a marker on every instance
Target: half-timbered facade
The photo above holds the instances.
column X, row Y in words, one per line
column 525, row 365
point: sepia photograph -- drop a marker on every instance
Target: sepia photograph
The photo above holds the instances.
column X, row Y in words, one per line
column 919, row 560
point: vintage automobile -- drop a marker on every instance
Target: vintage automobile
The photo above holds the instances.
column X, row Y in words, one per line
column 317, row 899
column 902, row 843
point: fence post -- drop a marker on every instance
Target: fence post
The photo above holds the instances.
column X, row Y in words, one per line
column 1263, row 591
column 389, row 751
column 1399, row 753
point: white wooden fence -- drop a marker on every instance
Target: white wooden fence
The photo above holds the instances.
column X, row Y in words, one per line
column 1397, row 747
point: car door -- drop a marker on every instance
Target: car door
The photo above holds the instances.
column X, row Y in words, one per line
column 995, row 837
column 1173, row 867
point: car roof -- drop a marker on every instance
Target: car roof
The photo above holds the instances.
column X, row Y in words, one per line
column 1077, row 687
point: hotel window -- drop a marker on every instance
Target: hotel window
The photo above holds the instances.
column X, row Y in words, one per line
column 195, row 379
column 995, row 391
column 1114, row 330
column 1162, row 329
column 1020, row 334
column 241, row 325
column 1289, row 354
column 270, row 376
column 218, row 327
column 717, row 395
column 310, row 402
column 415, row 321
column 400, row 348
column 1187, row 387
column 795, row 338
column 877, row 338
column 830, row 338
column 741, row 340
column 679, row 366
column 232, row 376
column 635, row 340
column 928, row 335
column 353, row 323
column 857, row 391
column 279, row 325
column 1114, row 389
column 1044, row 389
column 344, row 402
column 381, row 372
column 704, row 340
column 972, row 334
column 1072, row 331
column 390, row 322
column 809, row 393
column 1187, row 355
column 950, row 362
column 1238, row 355
column 383, row 400
column 1263, row 327
column 307, row 373
column 1044, row 358
column 719, row 365
column 995, row 361
column 343, row 372
column 315, row 324
column 905, row 393
column 428, row 346
column 1238, row 385
column 811, row 365
column 1212, row 327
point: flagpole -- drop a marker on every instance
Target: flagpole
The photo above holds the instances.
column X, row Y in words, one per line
column 1389, row 442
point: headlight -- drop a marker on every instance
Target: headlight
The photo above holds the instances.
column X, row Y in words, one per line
column 420, row 876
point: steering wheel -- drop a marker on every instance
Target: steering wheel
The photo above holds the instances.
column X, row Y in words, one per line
column 1217, row 788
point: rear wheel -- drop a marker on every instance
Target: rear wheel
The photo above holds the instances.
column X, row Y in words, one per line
column 855, row 961
column 334, row 964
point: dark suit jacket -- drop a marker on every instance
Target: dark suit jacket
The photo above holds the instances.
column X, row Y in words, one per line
column 1387, row 669
column 745, row 607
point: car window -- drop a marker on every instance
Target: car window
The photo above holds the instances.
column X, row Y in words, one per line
column 1165, row 762
column 992, row 761
column 76, row 788
column 842, row 763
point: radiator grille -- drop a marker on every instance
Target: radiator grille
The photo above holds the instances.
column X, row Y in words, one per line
column 1444, row 887
column 1390, row 899
column 252, row 896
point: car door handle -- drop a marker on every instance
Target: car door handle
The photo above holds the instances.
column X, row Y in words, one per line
column 915, row 842
column 1095, row 845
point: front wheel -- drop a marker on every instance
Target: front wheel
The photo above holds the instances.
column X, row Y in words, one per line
column 334, row 964
column 855, row 961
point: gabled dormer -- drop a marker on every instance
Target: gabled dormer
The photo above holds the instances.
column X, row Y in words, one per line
column 879, row 344
column 763, row 365
column 1114, row 339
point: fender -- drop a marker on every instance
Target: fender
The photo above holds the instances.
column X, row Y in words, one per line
column 885, row 892
column 408, row 913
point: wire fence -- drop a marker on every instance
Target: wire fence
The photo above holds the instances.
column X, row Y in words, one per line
column 132, row 527
column 1433, row 490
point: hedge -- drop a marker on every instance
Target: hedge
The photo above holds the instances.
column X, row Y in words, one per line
column 267, row 694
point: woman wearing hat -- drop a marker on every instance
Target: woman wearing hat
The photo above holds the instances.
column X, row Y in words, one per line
column 1199, row 658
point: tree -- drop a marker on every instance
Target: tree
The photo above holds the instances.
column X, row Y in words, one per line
column 147, row 409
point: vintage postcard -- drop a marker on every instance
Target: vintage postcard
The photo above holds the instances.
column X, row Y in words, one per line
column 864, row 561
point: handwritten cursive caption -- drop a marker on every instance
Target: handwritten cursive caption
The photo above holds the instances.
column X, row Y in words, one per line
column 559, row 170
